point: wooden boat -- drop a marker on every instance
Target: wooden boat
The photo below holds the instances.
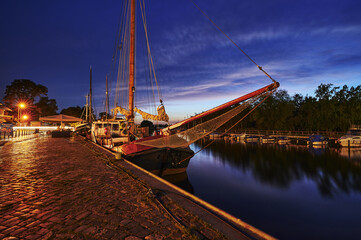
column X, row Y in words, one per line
column 166, row 150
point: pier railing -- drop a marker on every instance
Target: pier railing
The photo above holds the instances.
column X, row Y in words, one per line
column 294, row 134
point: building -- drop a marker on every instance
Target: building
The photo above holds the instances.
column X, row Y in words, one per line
column 4, row 114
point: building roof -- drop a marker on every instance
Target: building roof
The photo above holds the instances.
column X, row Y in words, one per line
column 3, row 107
column 60, row 119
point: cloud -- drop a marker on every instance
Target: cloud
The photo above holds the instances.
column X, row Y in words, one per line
column 345, row 29
column 344, row 59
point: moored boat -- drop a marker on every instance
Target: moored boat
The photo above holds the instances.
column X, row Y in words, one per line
column 251, row 139
column 215, row 136
column 317, row 140
column 268, row 139
column 283, row 140
column 352, row 137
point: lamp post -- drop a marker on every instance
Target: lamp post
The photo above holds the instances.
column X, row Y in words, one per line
column 20, row 106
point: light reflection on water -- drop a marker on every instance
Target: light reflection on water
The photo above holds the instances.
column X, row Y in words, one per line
column 290, row 192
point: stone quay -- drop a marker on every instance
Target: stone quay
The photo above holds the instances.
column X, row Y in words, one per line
column 68, row 188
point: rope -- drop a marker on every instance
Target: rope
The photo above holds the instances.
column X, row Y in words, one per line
column 148, row 47
column 259, row 67
column 117, row 45
column 267, row 95
column 149, row 57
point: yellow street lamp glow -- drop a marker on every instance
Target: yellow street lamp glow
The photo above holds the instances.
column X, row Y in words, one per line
column 25, row 117
column 22, row 105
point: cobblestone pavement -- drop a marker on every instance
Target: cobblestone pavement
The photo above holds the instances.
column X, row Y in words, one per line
column 55, row 188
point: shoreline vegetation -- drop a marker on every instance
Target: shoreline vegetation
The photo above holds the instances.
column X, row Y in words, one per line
column 332, row 108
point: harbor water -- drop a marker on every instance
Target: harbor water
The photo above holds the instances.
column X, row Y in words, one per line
column 289, row 192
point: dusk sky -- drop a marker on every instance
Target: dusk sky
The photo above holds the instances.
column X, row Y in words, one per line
column 301, row 44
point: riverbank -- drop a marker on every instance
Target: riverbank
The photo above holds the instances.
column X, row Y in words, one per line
column 56, row 188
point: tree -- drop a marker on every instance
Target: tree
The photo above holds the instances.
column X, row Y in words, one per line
column 72, row 111
column 332, row 108
column 46, row 106
column 24, row 90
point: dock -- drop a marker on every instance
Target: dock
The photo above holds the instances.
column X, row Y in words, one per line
column 68, row 188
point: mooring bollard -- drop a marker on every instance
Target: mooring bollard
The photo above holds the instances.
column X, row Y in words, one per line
column 118, row 155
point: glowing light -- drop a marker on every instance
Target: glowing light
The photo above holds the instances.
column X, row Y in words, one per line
column 25, row 117
column 22, row 105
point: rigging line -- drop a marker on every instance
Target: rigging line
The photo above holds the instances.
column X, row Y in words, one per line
column 119, row 48
column 148, row 46
column 120, row 66
column 149, row 56
column 118, row 36
column 117, row 44
column 207, row 145
column 148, row 78
column 259, row 67
column 118, row 100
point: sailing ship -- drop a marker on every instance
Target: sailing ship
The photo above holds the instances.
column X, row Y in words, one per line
column 161, row 151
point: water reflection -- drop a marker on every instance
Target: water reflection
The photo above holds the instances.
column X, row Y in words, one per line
column 353, row 154
column 181, row 180
column 282, row 165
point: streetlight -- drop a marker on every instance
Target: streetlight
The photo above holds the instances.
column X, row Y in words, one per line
column 20, row 106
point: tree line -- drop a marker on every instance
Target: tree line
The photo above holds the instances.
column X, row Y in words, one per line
column 35, row 99
column 332, row 108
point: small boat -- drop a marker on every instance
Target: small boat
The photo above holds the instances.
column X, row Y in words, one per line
column 238, row 137
column 251, row 139
column 215, row 136
column 352, row 137
column 109, row 133
column 82, row 128
column 268, row 139
column 283, row 140
column 317, row 140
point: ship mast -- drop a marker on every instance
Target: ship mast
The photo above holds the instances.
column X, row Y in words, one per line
column 90, row 98
column 107, row 97
column 131, row 63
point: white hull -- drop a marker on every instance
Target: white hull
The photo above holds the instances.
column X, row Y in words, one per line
column 352, row 138
column 349, row 142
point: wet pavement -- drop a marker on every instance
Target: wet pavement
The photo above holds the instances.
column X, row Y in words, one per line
column 56, row 188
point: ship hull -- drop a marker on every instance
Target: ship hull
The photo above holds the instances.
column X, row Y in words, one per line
column 162, row 161
column 349, row 142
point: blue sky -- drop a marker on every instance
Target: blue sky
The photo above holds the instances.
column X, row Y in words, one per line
column 299, row 43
